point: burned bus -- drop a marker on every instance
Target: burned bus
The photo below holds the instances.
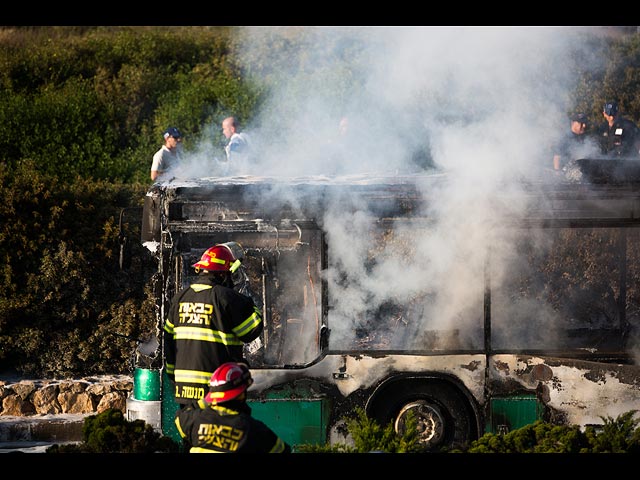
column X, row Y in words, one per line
column 478, row 310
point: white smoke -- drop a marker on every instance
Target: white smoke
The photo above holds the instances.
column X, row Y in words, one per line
column 482, row 104
column 486, row 101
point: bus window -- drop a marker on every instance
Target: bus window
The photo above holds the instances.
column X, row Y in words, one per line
column 371, row 311
column 284, row 280
column 565, row 288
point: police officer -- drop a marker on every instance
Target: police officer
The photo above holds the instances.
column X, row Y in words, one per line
column 222, row 421
column 619, row 137
column 208, row 324
column 571, row 143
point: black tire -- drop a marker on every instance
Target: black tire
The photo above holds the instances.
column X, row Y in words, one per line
column 444, row 415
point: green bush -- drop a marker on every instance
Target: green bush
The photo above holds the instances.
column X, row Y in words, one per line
column 110, row 432
column 369, row 436
column 67, row 305
column 619, row 435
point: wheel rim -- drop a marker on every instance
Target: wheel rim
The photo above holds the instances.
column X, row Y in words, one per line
column 430, row 422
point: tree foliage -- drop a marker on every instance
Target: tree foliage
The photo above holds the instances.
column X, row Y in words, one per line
column 68, row 305
column 93, row 102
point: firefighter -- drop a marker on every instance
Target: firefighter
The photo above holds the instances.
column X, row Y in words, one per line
column 208, row 324
column 222, row 421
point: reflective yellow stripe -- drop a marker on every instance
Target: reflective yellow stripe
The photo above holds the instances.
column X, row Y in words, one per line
column 202, row 450
column 177, row 422
column 168, row 326
column 278, row 447
column 192, row 376
column 199, row 287
column 249, row 324
column 206, row 335
column 234, row 266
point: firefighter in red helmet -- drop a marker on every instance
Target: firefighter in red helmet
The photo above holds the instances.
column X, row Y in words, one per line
column 222, row 421
column 208, row 323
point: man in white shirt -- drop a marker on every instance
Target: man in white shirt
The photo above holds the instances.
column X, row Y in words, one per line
column 238, row 147
column 169, row 154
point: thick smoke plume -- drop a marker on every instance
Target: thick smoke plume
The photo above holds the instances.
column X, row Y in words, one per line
column 481, row 104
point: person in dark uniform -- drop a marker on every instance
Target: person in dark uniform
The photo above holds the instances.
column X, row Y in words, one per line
column 208, row 324
column 570, row 144
column 619, row 137
column 222, row 421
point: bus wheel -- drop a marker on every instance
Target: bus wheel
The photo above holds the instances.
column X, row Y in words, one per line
column 430, row 422
column 442, row 413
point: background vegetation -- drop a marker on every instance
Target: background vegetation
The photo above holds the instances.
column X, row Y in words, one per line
column 82, row 110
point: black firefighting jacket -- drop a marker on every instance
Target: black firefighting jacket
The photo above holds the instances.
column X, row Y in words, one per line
column 226, row 428
column 207, row 326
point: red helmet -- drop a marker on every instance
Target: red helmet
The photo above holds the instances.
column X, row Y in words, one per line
column 218, row 258
column 227, row 382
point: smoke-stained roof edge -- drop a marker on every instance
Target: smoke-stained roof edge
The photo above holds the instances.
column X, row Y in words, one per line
column 356, row 179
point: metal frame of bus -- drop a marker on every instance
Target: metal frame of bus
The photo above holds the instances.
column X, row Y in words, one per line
column 457, row 394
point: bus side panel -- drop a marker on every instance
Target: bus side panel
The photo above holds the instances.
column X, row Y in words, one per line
column 572, row 391
column 295, row 421
column 169, row 409
column 513, row 412
column 296, row 417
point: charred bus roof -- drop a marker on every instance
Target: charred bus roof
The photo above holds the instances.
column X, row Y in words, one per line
column 250, row 202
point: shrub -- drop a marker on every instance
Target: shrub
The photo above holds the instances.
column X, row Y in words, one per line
column 67, row 305
column 110, row 432
column 369, row 436
column 619, row 435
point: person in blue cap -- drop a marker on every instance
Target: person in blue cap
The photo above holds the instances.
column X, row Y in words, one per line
column 169, row 154
column 619, row 136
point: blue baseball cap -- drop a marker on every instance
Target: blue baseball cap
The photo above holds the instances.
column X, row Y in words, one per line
column 610, row 108
column 172, row 132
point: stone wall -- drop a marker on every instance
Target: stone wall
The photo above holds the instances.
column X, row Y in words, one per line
column 45, row 397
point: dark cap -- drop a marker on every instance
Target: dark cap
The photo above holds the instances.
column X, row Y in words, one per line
column 172, row 132
column 579, row 117
column 610, row 108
